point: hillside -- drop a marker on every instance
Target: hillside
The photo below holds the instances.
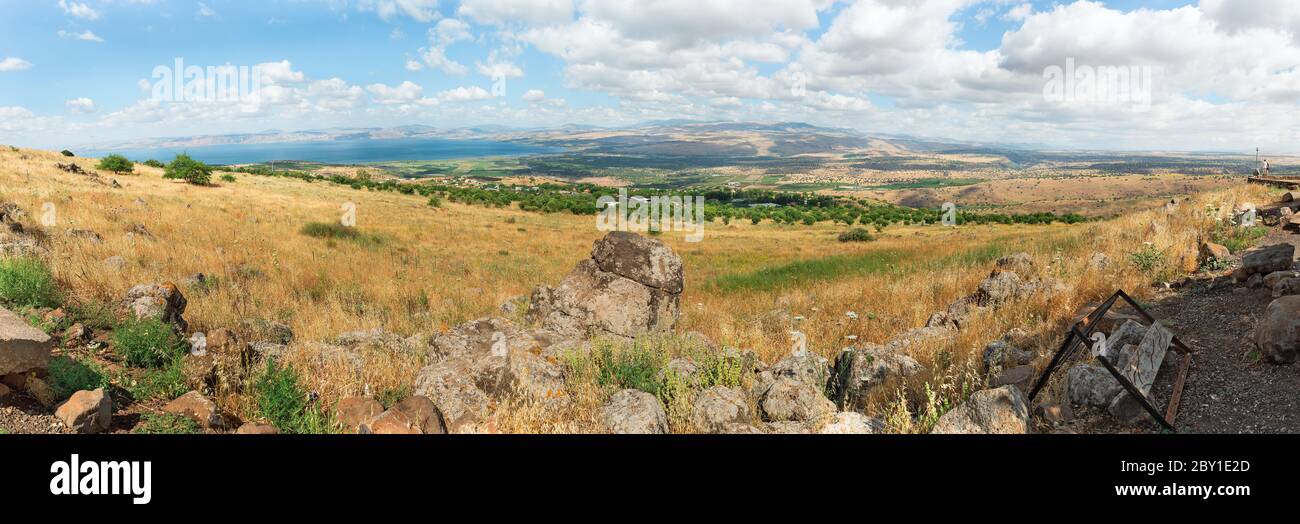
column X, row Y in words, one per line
column 371, row 309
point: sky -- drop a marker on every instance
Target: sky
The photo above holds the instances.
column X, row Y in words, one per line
column 1213, row 75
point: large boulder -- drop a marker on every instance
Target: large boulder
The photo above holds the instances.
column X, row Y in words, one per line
column 792, row 400
column 1002, row 287
column 1000, row 354
column 631, row 285
column 1278, row 333
column 632, row 411
column 718, row 407
column 859, row 371
column 415, row 415
column 991, row 411
column 163, row 302
column 352, row 412
column 195, row 406
column 86, row 411
column 23, row 348
column 1211, row 251
column 1091, row 385
column 1277, row 257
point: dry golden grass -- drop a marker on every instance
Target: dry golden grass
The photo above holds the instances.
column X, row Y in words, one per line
column 430, row 269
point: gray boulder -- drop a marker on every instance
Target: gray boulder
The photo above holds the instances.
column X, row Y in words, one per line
column 635, row 412
column 23, row 348
column 791, row 400
column 1000, row 354
column 1278, row 333
column 991, row 411
column 1092, row 385
column 859, row 371
column 163, row 302
column 853, row 423
column 719, row 407
column 1277, row 257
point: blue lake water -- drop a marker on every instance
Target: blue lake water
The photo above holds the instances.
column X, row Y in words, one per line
column 354, row 151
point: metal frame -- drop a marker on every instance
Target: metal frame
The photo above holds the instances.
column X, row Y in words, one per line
column 1090, row 322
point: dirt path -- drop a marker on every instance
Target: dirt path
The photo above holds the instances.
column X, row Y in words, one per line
column 1229, row 389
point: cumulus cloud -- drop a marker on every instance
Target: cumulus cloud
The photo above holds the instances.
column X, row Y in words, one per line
column 78, row 10
column 80, row 105
column 14, row 64
column 531, row 12
column 464, row 94
column 418, row 10
column 86, row 36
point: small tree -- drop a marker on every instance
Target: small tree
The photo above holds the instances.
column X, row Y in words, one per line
column 117, row 164
column 190, row 170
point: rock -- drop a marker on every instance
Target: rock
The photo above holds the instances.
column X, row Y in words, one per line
column 163, row 302
column 1000, row 354
column 257, row 428
column 75, row 334
column 1256, row 280
column 195, row 406
column 859, row 371
column 1211, row 251
column 1143, row 363
column 1098, row 262
column 787, row 427
column 41, row 391
column 1002, row 287
column 991, row 411
column 1127, row 410
column 265, row 350
column 263, row 330
column 635, row 412
column 789, row 399
column 718, row 407
column 416, row 415
column 1022, row 377
column 352, row 412
column 4, row 391
column 1106, row 323
column 1020, row 263
column 23, row 348
column 853, row 423
column 631, row 285
column 390, row 422
column 1278, row 333
column 916, row 336
column 87, row 411
column 200, row 372
column 114, row 263
column 1287, row 286
column 450, row 384
column 641, row 259
column 956, row 316
column 683, row 368
column 741, row 429
column 86, row 234
column 1277, row 257
column 1091, row 385
column 1272, row 279
column 810, row 369
column 1054, row 414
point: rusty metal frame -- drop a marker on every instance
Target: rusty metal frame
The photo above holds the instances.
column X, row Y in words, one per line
column 1079, row 337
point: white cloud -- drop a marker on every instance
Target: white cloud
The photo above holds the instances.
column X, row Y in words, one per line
column 436, row 58
column 414, row 65
column 533, row 12
column 418, row 10
column 464, row 94
column 78, row 10
column 80, row 105
column 14, row 64
column 205, row 11
column 534, row 95
column 406, row 93
column 86, row 36
column 449, row 31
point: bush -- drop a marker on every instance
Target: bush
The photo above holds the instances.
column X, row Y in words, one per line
column 857, row 234
column 65, row 152
column 188, row 169
column 282, row 401
column 329, row 230
column 227, row 177
column 155, row 163
column 609, row 364
column 69, row 375
column 147, row 343
column 164, row 383
column 1148, row 259
column 117, row 164
column 165, row 424
column 26, row 282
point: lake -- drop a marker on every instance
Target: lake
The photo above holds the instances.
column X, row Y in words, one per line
column 352, row 151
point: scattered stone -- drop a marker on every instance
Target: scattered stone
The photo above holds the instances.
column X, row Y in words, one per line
column 200, row 372
column 1287, row 286
column 267, row 331
column 86, row 234
column 115, row 263
column 352, row 412
column 1091, row 385
column 1272, row 279
column 1000, row 354
column 1211, row 251
column 741, row 429
column 1022, row 377
column 1000, row 288
column 789, row 399
column 4, row 391
column 257, row 428
column 1278, row 334
column 859, row 371
column 1098, row 262
column 1021, row 263
column 718, row 407
column 991, row 411
column 810, row 369
column 1255, row 281
column 23, row 348
column 86, row 411
column 683, row 368
column 195, row 406
column 853, row 423
column 1054, row 414
column 163, row 302
column 1277, row 257
column 196, row 281
column 41, row 391
column 787, row 427
column 1127, row 410
column 415, row 414
column 635, row 412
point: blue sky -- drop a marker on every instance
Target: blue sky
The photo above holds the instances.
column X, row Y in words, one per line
column 72, row 71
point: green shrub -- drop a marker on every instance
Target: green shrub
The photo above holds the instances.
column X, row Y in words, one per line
column 282, row 401
column 69, row 375
column 26, row 282
column 334, row 230
column 720, row 370
column 117, row 164
column 188, row 169
column 65, row 152
column 147, row 343
column 94, row 315
column 155, row 163
column 610, row 364
column 165, row 424
column 1237, row 239
column 228, row 178
column 391, row 396
column 857, row 234
column 164, row 383
column 434, row 201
